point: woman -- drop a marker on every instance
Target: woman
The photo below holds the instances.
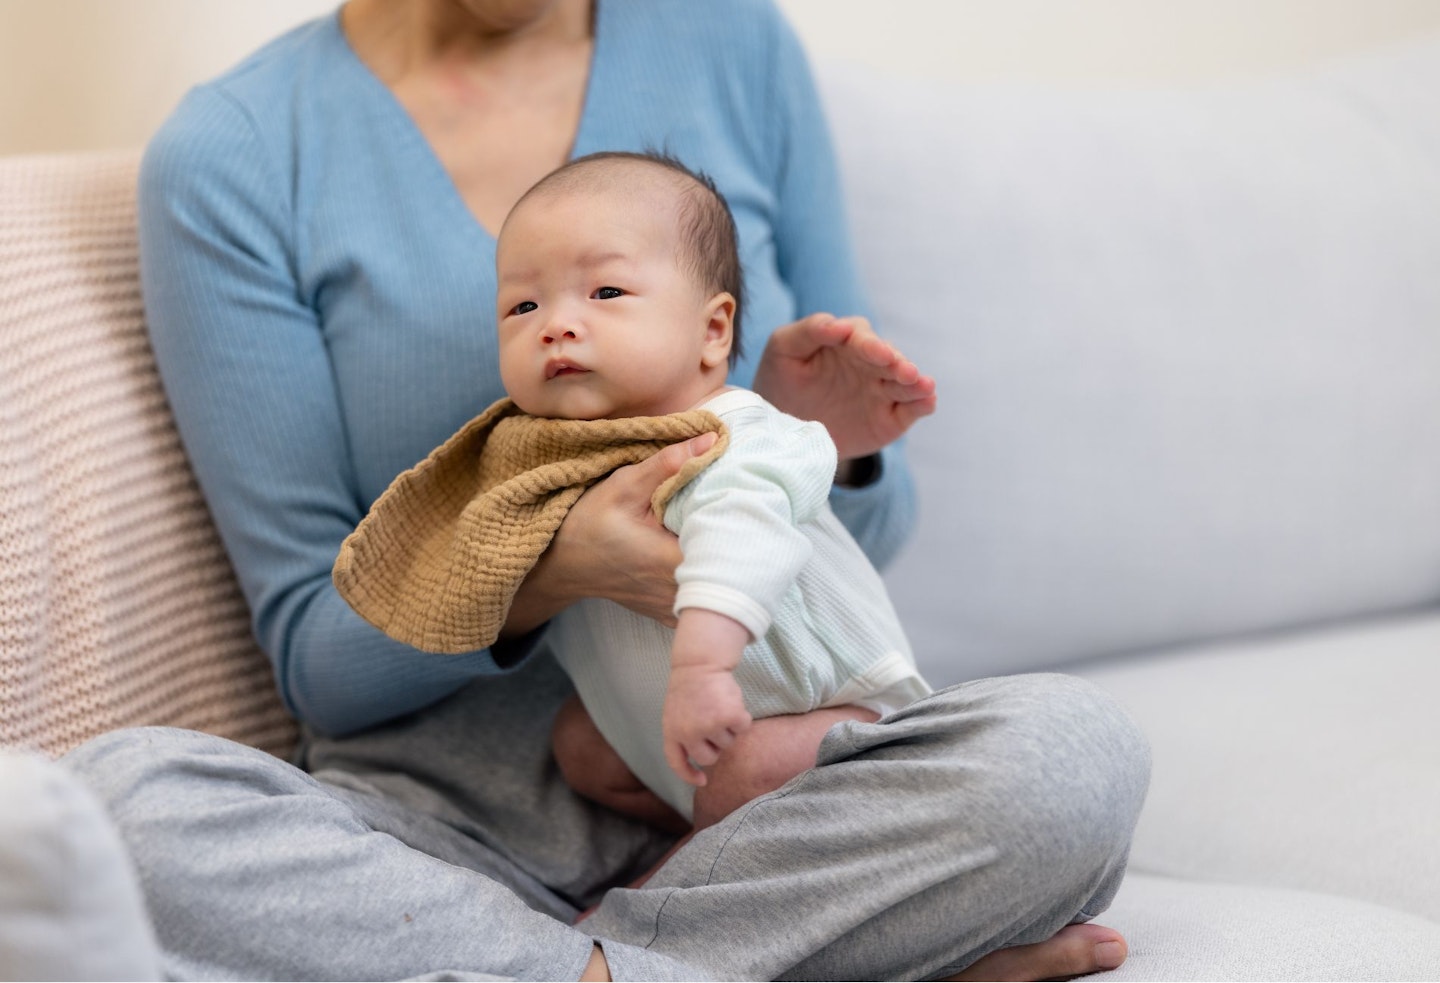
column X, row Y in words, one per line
column 317, row 250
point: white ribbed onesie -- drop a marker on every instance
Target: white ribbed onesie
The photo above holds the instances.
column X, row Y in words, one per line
column 760, row 545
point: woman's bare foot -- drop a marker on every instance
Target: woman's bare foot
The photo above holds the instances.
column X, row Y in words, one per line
column 597, row 970
column 1073, row 951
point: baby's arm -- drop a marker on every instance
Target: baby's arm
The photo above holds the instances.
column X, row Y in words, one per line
column 739, row 524
column 704, row 709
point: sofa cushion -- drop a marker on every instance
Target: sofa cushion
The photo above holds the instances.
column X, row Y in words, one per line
column 1307, row 761
column 117, row 604
column 1187, row 346
column 1185, row 930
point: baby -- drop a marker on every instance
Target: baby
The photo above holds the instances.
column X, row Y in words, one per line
column 619, row 296
column 619, row 291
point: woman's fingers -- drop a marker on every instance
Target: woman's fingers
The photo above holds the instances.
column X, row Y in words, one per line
column 642, row 478
column 612, row 545
column 667, row 463
column 920, row 388
column 807, row 336
column 840, row 372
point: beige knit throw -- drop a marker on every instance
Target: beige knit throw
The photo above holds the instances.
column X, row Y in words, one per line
column 437, row 561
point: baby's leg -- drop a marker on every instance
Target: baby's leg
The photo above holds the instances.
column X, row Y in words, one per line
column 593, row 769
column 769, row 754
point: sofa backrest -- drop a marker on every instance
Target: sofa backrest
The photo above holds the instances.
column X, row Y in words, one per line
column 117, row 604
column 1187, row 346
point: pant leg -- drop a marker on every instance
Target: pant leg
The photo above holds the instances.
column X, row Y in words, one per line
column 990, row 814
column 252, row 869
column 480, row 762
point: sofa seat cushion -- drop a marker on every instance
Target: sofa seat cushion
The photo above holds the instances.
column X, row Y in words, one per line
column 1306, row 761
column 1187, row 930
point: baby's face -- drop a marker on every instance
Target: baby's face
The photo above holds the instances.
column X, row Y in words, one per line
column 596, row 318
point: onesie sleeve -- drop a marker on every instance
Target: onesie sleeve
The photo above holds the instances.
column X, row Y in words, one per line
column 246, row 371
column 739, row 520
column 817, row 262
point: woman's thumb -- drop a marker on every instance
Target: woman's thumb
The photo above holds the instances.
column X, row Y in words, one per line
column 668, row 462
column 699, row 445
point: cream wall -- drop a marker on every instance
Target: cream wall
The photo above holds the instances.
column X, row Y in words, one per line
column 79, row 74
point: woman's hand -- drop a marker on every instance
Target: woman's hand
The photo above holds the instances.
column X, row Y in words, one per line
column 610, row 545
column 840, row 372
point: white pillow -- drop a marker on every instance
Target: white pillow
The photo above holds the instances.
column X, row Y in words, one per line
column 1187, row 346
column 70, row 906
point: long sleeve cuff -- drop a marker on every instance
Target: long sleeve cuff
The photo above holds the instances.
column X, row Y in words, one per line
column 727, row 601
column 881, row 514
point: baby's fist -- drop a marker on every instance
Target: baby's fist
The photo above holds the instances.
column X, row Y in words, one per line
column 704, row 713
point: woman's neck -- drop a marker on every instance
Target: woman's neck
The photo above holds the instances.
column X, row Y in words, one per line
column 500, row 104
column 397, row 38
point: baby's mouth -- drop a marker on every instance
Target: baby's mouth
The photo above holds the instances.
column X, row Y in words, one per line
column 558, row 367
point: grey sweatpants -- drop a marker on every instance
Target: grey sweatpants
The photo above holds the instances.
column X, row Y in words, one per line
column 446, row 845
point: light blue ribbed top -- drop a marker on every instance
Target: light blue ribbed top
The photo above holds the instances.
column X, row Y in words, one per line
column 321, row 301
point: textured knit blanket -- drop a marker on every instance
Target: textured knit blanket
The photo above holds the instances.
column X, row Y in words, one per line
column 118, row 606
column 438, row 559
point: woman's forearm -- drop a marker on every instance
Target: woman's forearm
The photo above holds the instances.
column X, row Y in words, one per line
column 545, row 592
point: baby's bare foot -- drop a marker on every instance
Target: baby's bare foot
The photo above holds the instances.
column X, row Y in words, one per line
column 1073, row 951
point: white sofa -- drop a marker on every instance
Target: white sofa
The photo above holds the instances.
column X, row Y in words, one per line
column 1188, row 446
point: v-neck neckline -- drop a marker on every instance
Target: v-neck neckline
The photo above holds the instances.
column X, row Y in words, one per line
column 407, row 130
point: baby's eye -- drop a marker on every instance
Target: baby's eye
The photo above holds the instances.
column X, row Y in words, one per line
column 608, row 293
column 524, row 307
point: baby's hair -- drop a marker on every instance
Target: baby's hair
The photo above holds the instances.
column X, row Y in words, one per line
column 707, row 227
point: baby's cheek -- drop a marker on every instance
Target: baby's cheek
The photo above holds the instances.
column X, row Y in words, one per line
column 511, row 375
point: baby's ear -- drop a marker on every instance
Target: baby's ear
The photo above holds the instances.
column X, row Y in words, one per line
column 719, row 329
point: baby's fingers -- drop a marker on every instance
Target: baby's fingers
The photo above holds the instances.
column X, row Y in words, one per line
column 681, row 763
column 706, row 751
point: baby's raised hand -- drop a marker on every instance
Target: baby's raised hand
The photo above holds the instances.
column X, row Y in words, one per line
column 704, row 713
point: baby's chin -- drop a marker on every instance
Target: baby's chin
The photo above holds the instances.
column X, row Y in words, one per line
column 568, row 409
column 590, row 409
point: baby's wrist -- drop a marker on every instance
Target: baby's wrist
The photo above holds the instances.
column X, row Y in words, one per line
column 698, row 660
column 707, row 641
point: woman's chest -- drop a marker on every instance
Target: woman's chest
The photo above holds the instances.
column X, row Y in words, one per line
column 497, row 134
